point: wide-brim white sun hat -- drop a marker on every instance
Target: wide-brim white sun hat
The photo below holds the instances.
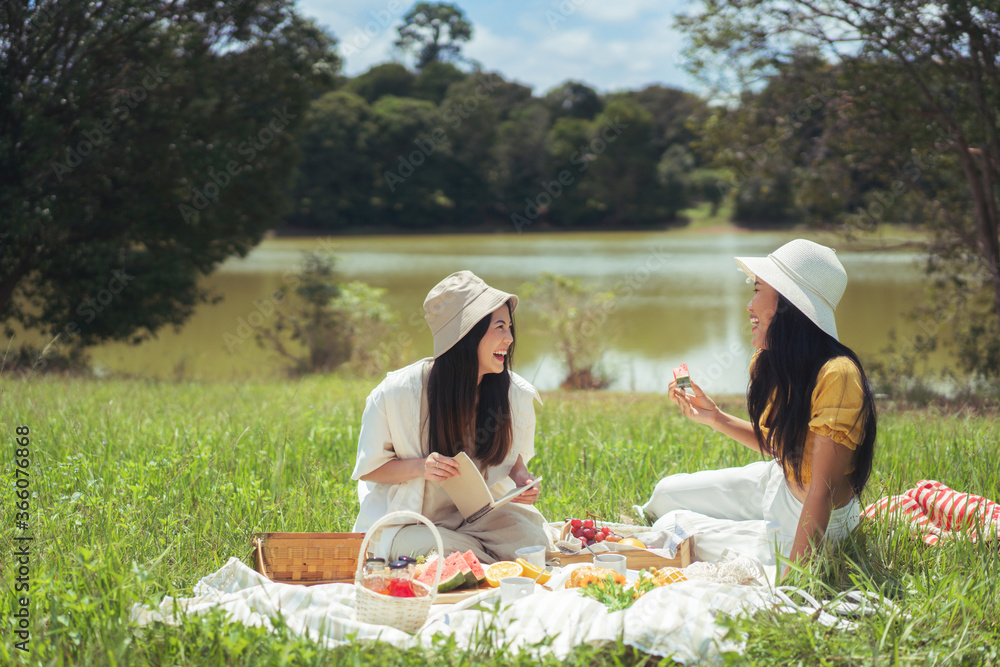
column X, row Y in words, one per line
column 457, row 303
column 808, row 274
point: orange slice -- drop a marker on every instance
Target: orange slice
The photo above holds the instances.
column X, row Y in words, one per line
column 631, row 541
column 532, row 572
column 501, row 569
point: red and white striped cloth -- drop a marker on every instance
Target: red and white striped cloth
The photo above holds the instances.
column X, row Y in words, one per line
column 935, row 511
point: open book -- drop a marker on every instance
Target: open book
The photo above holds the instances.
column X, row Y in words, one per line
column 470, row 494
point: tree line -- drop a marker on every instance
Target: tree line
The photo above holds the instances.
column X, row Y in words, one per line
column 442, row 147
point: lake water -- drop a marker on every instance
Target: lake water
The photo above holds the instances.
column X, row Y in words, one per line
column 685, row 303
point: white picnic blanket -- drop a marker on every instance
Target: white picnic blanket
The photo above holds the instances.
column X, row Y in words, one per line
column 679, row 620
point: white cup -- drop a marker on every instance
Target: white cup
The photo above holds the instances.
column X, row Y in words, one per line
column 513, row 589
column 534, row 555
column 614, row 562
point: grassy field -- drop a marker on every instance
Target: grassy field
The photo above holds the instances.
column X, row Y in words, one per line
column 142, row 488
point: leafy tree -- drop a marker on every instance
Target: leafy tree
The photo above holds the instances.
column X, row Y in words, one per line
column 948, row 55
column 775, row 149
column 381, row 80
column 411, row 151
column 434, row 31
column 519, row 158
column 621, row 180
column 676, row 163
column 508, row 96
column 434, row 79
column 142, row 142
column 675, row 116
column 337, row 173
column 470, row 119
column 575, row 99
column 567, row 146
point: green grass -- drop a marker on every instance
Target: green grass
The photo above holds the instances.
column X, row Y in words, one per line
column 700, row 216
column 884, row 236
column 143, row 488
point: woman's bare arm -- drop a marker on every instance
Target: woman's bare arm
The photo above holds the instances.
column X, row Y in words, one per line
column 434, row 468
column 829, row 464
column 520, row 476
column 702, row 409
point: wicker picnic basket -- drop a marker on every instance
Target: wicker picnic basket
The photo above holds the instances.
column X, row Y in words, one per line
column 406, row 614
column 307, row 558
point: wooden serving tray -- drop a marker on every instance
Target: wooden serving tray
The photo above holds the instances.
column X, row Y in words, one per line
column 635, row 558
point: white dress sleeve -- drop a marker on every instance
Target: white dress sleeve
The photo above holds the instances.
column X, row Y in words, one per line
column 524, row 430
column 375, row 447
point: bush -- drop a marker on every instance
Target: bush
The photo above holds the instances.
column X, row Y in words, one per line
column 577, row 318
column 330, row 326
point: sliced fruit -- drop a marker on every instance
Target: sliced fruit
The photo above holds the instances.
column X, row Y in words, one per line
column 531, row 571
column 456, row 559
column 631, row 541
column 501, row 569
column 451, row 575
column 476, row 566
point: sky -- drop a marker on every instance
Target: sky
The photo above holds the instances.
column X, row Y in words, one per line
column 608, row 44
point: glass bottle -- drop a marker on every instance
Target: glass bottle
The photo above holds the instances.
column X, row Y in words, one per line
column 375, row 575
column 411, row 565
column 400, row 584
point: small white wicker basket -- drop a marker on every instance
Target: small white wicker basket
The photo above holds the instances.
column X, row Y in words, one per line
column 406, row 614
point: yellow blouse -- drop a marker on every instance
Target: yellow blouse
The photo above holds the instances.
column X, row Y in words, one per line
column 836, row 411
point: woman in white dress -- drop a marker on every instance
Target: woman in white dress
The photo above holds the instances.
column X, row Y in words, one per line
column 420, row 417
column 812, row 416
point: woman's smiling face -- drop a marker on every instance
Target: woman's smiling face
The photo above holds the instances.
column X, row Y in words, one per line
column 495, row 342
column 762, row 307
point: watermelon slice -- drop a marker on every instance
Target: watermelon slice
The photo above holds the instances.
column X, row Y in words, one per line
column 458, row 560
column 451, row 575
column 682, row 376
column 477, row 568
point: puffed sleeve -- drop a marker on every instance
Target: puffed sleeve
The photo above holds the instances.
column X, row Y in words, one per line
column 837, row 402
column 524, row 431
column 523, row 396
column 375, row 441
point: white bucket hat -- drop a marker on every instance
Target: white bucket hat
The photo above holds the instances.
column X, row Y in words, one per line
column 808, row 274
column 456, row 304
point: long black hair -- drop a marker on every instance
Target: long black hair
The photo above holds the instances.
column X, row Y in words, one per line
column 785, row 374
column 457, row 421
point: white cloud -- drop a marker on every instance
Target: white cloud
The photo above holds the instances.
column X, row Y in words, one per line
column 619, row 11
column 573, row 44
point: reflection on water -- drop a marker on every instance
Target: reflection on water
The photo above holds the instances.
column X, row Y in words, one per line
column 682, row 299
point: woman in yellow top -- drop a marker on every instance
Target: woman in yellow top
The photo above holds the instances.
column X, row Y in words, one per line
column 811, row 412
